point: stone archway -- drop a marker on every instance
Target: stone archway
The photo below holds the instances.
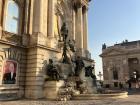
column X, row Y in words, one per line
column 64, row 15
column 134, row 68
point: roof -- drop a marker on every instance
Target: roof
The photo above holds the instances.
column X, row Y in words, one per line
column 126, row 43
column 123, row 48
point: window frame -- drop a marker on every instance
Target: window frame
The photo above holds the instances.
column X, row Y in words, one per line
column 6, row 14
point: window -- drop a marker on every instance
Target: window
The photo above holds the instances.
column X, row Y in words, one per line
column 115, row 75
column 12, row 17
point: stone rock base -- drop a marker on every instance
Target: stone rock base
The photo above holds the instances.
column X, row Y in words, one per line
column 51, row 89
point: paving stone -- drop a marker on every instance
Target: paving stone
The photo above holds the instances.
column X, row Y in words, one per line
column 131, row 100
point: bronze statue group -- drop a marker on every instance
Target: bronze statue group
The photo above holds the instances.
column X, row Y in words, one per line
column 53, row 72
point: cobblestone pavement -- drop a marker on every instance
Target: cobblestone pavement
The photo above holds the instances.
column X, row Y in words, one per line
column 131, row 100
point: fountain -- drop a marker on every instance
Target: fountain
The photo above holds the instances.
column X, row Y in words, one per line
column 72, row 79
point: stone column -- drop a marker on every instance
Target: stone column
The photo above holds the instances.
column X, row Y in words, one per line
column 34, row 76
column 25, row 38
column 38, row 16
column 51, row 18
column 45, row 17
column 38, row 36
column 31, row 17
column 1, row 2
column 26, row 17
column 85, row 29
column 79, row 28
column 74, row 20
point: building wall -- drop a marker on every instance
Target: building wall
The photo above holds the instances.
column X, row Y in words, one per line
column 118, row 58
column 37, row 38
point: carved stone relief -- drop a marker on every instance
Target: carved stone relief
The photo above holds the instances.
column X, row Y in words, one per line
column 10, row 37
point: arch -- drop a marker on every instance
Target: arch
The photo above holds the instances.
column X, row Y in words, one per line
column 63, row 9
column 64, row 14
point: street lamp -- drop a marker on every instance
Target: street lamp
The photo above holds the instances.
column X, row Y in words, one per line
column 100, row 75
column 135, row 76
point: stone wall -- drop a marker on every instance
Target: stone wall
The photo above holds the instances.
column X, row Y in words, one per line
column 118, row 58
column 15, row 54
column 37, row 39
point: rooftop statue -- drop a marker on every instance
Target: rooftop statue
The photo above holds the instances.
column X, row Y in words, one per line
column 104, row 46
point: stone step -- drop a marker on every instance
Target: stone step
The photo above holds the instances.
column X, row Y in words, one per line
column 100, row 96
column 9, row 93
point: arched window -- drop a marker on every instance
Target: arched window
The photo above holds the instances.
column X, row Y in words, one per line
column 115, row 74
column 12, row 17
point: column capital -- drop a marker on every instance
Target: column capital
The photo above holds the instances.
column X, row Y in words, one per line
column 81, row 3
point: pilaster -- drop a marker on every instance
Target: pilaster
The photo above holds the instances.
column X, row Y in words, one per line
column 25, row 37
column 45, row 17
column 31, row 17
column 1, row 2
column 74, row 23
column 34, row 74
column 85, row 29
column 51, row 18
column 51, row 22
column 79, row 28
column 38, row 36
column 34, row 78
column 126, row 68
column 38, row 16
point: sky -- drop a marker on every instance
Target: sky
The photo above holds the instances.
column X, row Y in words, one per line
column 110, row 22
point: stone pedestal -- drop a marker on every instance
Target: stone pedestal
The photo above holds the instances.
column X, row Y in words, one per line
column 51, row 89
column 91, row 88
column 88, row 82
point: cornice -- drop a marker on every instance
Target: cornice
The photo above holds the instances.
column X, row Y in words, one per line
column 119, row 51
column 85, row 2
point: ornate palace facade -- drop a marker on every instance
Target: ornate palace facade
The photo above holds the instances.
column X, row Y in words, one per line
column 121, row 62
column 29, row 36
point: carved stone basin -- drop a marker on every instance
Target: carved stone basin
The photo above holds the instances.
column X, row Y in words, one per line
column 107, row 94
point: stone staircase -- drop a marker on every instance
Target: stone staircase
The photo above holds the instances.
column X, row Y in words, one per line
column 9, row 93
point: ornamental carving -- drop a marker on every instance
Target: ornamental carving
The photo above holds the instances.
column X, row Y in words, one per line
column 64, row 14
column 79, row 3
column 11, row 37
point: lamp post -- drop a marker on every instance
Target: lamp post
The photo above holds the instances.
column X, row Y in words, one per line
column 135, row 76
column 100, row 75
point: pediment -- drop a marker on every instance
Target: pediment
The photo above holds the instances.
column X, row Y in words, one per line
column 113, row 52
